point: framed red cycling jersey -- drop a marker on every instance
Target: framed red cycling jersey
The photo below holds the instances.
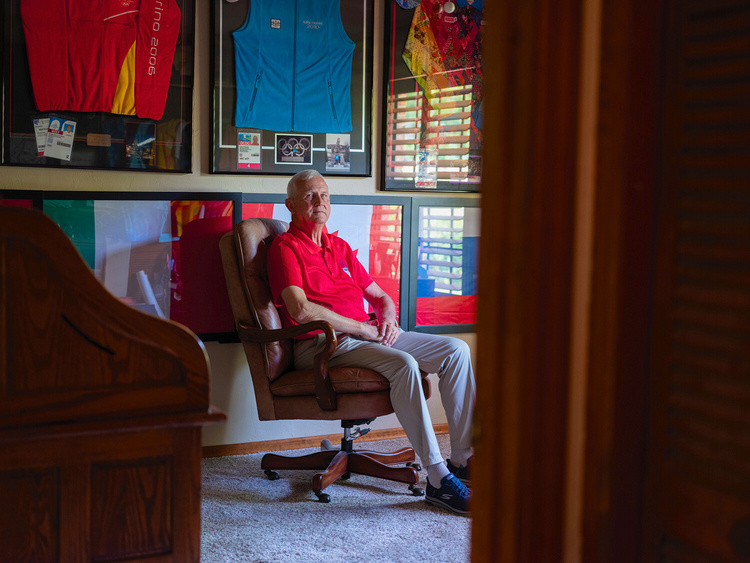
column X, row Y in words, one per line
column 101, row 55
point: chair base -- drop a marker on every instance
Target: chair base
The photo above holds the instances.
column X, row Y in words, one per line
column 337, row 464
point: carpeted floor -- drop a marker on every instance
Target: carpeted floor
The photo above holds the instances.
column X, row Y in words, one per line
column 247, row 518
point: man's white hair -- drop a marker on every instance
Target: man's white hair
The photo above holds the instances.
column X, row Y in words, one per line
column 299, row 177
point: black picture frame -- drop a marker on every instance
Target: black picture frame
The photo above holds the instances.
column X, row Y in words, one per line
column 431, row 131
column 181, row 263
column 330, row 153
column 455, row 243
column 101, row 140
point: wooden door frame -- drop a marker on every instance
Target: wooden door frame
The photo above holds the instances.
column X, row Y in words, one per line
column 622, row 292
column 533, row 143
column 532, row 58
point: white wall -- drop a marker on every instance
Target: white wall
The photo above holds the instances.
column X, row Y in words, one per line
column 231, row 387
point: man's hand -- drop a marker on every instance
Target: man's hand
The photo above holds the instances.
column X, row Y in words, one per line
column 368, row 332
column 385, row 310
column 388, row 333
column 384, row 333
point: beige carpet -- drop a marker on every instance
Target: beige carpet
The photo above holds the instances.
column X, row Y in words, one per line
column 246, row 517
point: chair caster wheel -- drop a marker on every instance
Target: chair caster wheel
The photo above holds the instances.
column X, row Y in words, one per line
column 416, row 491
column 346, row 476
column 272, row 475
column 413, row 464
column 324, row 497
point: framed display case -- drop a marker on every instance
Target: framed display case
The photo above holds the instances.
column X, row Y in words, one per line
column 444, row 264
column 105, row 85
column 158, row 252
column 307, row 104
column 433, row 95
column 377, row 228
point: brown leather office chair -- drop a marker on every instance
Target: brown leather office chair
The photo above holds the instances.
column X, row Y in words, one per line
column 355, row 395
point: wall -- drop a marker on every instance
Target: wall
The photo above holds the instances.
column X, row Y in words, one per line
column 231, row 387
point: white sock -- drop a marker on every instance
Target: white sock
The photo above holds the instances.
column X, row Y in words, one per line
column 459, row 458
column 436, row 472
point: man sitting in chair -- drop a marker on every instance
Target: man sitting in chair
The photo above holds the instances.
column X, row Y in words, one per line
column 315, row 276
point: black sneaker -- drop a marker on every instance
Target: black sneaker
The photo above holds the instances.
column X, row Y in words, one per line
column 461, row 472
column 452, row 494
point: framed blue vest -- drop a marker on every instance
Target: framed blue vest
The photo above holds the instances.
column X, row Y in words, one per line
column 293, row 65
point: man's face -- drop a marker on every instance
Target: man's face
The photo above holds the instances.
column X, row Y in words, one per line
column 310, row 204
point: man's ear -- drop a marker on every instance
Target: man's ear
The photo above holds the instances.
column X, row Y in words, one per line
column 289, row 205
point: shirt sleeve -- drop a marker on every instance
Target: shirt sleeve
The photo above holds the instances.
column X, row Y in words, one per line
column 283, row 269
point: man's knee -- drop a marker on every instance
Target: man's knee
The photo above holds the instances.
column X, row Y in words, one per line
column 401, row 363
column 459, row 347
column 411, row 366
column 406, row 379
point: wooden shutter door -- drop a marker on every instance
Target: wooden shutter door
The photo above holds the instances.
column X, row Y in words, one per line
column 697, row 503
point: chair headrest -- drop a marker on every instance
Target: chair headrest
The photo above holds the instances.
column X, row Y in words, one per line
column 252, row 239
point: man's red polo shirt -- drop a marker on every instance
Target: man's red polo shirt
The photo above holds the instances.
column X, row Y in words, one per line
column 330, row 275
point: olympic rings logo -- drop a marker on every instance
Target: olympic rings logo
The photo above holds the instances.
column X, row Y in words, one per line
column 293, row 147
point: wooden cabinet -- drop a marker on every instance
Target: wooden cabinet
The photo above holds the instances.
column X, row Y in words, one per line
column 101, row 409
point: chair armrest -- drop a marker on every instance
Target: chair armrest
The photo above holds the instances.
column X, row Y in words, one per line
column 323, row 388
column 249, row 333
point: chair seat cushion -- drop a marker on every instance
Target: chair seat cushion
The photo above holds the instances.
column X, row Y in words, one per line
column 344, row 379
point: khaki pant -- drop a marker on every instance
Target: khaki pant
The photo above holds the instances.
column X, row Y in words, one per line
column 445, row 356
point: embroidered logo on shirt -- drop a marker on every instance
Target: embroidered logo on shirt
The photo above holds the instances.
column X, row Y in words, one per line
column 312, row 24
column 344, row 267
column 275, row 23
